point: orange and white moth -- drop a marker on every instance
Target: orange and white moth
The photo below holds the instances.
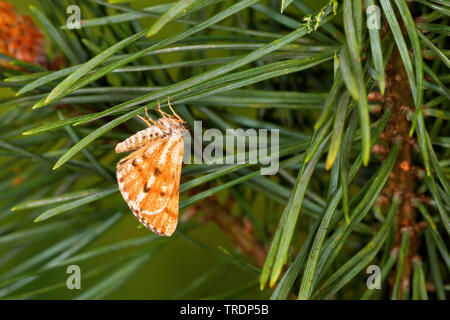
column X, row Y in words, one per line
column 149, row 178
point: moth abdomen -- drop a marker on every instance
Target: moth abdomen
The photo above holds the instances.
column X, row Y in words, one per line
column 140, row 139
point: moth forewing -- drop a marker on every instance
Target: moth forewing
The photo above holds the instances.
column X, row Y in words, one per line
column 165, row 221
column 149, row 177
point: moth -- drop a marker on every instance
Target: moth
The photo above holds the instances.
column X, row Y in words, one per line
column 149, row 178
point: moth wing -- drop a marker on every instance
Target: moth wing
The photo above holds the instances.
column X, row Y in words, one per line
column 165, row 222
column 147, row 180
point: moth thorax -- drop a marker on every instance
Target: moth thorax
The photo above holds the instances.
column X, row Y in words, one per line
column 170, row 125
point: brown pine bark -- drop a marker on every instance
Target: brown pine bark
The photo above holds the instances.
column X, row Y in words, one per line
column 402, row 180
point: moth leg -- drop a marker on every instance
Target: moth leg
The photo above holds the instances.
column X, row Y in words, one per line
column 148, row 117
column 173, row 111
column 164, row 114
column 145, row 120
column 163, row 127
column 150, row 121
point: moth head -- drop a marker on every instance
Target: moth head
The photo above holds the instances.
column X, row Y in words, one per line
column 183, row 126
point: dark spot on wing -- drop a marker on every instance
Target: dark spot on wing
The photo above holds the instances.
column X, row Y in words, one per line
column 146, row 188
column 162, row 194
column 134, row 163
column 157, row 172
